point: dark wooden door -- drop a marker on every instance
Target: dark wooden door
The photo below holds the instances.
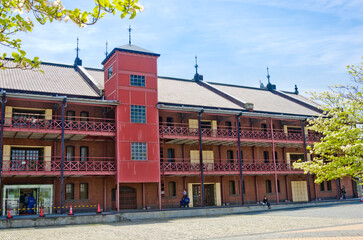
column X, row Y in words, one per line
column 128, row 198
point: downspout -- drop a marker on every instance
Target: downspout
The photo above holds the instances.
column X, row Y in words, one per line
column 3, row 101
column 64, row 104
column 306, row 158
column 240, row 158
column 201, row 159
column 274, row 158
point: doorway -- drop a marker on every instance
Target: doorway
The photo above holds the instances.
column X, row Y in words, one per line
column 128, row 198
column 209, row 199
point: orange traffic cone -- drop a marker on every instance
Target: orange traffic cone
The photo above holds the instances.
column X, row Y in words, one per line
column 70, row 210
column 41, row 212
column 361, row 199
column 9, row 214
column 99, row 209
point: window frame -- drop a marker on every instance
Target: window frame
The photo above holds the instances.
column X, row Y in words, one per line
column 137, row 114
column 70, row 117
column 110, row 72
column 268, row 186
column 135, row 147
column 72, row 158
column 137, row 80
column 80, row 154
column 69, row 195
column 172, row 189
column 81, row 197
column 232, row 187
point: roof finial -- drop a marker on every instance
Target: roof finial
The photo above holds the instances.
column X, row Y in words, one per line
column 130, row 35
column 296, row 90
column 106, row 53
column 196, row 65
column 77, row 61
column 268, row 76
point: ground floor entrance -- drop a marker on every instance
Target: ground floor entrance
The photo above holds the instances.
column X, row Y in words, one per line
column 212, row 194
column 27, row 199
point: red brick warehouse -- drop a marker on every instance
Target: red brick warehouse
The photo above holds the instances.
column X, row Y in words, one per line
column 125, row 138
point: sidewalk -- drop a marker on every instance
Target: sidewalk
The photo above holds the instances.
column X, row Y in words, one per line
column 134, row 215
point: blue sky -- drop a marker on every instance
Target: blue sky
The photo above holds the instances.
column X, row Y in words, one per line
column 308, row 43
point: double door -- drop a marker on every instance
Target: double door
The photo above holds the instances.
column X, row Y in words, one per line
column 209, row 199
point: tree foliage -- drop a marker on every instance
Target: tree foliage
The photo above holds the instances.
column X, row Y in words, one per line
column 340, row 151
column 19, row 16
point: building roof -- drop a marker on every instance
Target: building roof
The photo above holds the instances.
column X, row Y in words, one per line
column 58, row 79
column 132, row 49
column 190, row 93
column 98, row 75
column 266, row 101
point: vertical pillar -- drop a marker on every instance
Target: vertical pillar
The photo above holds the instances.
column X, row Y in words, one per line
column 3, row 101
column 256, row 190
column 159, row 193
column 143, row 196
column 338, row 189
column 222, row 191
column 201, row 159
column 274, row 159
column 104, row 194
column 62, row 163
column 117, row 158
column 240, row 157
column 306, row 158
column 287, row 187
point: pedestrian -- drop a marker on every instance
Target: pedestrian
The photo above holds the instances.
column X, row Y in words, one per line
column 22, row 203
column 265, row 202
column 186, row 201
column 343, row 192
column 31, row 203
column 185, row 193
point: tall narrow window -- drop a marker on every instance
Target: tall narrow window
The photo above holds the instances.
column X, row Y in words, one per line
column 228, row 125
column 328, row 185
column 162, row 188
column 172, row 189
column 69, row 153
column 84, row 116
column 109, row 72
column 171, row 155
column 232, row 187
column 265, row 156
column 230, row 158
column 264, row 127
column 137, row 80
column 268, row 186
column 138, row 114
column 69, row 191
column 322, row 188
column 278, row 185
column 138, row 151
column 84, row 154
column 70, row 115
column 83, row 191
column 169, row 121
column 276, row 158
column 160, row 121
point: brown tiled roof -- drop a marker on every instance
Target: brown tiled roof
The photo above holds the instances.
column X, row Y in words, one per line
column 185, row 92
column 56, row 79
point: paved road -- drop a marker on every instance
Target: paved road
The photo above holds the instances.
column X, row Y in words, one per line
column 330, row 222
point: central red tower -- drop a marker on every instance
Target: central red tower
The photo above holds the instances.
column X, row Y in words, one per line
column 131, row 79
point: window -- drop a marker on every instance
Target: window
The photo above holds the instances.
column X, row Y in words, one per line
column 230, row 158
column 268, row 186
column 84, row 154
column 136, row 80
column 109, row 72
column 138, row 114
column 232, row 188
column 228, row 125
column 276, row 158
column 83, row 191
column 84, row 116
column 328, row 185
column 278, row 185
column 169, row 121
column 171, row 155
column 265, row 156
column 138, row 151
column 69, row 153
column 22, row 159
column 296, row 156
column 70, row 115
column 69, row 191
column 113, row 194
column 160, row 121
column 162, row 188
column 322, row 188
column 172, row 189
column 264, row 127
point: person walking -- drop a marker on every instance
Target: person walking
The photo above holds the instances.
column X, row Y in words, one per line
column 31, row 203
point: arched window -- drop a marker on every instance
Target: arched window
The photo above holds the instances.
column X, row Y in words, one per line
column 172, row 189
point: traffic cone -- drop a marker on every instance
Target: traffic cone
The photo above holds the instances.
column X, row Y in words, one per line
column 70, row 210
column 99, row 209
column 41, row 212
column 9, row 214
column 361, row 198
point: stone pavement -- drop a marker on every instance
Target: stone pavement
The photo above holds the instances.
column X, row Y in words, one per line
column 343, row 221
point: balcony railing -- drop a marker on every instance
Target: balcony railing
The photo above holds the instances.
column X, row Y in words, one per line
column 183, row 130
column 36, row 121
column 178, row 165
column 53, row 164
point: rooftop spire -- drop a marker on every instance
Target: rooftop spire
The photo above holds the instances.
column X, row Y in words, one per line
column 296, row 90
column 106, row 53
column 268, row 76
column 130, row 35
column 196, row 65
column 77, row 61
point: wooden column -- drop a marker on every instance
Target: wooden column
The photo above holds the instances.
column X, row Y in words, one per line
column 201, row 159
column 274, row 160
column 256, row 190
column 306, row 158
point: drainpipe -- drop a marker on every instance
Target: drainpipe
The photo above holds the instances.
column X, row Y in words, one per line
column 274, row 158
column 3, row 101
column 306, row 158
column 240, row 158
column 201, row 159
column 64, row 104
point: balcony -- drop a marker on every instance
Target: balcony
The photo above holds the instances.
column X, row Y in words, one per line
column 52, row 166
column 36, row 126
column 183, row 134
column 224, row 167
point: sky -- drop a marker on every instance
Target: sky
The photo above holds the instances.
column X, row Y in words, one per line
column 308, row 42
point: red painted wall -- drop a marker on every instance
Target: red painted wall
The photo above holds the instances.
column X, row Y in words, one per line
column 118, row 88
